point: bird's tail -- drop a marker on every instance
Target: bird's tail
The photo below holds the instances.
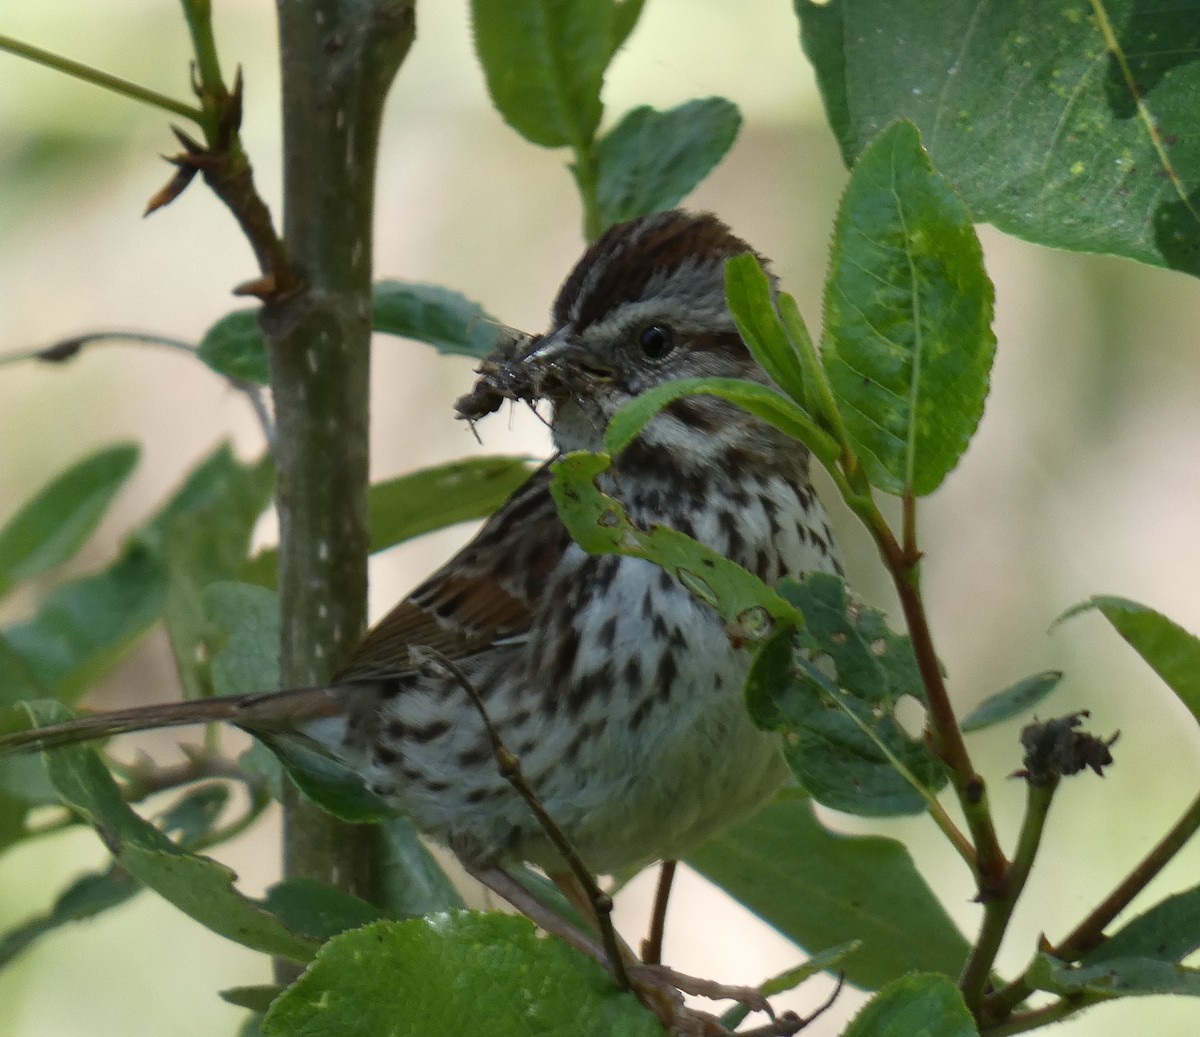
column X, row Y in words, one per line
column 256, row 712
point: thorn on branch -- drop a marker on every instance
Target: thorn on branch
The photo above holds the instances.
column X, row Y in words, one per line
column 1056, row 748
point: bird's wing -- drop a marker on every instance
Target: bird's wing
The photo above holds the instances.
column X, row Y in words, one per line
column 486, row 593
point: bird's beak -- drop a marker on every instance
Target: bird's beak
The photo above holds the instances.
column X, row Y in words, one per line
column 559, row 358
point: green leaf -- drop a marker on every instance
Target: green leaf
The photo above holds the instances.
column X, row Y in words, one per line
column 330, row 783
column 544, row 62
column 925, row 1004
column 651, row 160
column 751, row 302
column 246, row 618
column 86, row 897
column 1086, row 109
column 1012, row 701
column 835, row 698
column 255, row 998
column 410, row 882
column 819, row 888
column 1171, row 651
column 759, row 400
column 625, row 17
column 234, row 347
column 1116, row 977
column 198, row 886
column 84, row 627
column 908, row 344
column 54, row 524
column 411, row 505
column 440, row 317
column 1169, row 931
column 599, row 525
column 209, row 543
column 92, row 894
column 454, row 973
column 314, row 909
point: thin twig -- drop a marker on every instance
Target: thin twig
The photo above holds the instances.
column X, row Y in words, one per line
column 997, row 912
column 1090, row 932
column 652, row 946
column 102, row 79
column 68, row 348
column 510, row 769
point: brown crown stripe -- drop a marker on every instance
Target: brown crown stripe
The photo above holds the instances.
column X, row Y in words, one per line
column 628, row 260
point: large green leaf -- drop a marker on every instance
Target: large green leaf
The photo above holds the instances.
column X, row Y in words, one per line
column 454, row 973
column 53, row 525
column 1171, row 651
column 834, row 697
column 819, row 888
column 246, row 639
column 198, row 886
column 651, row 160
column 1062, row 122
column 544, row 62
column 907, row 344
column 929, row 1005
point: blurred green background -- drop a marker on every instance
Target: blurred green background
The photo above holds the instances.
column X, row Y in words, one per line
column 1084, row 477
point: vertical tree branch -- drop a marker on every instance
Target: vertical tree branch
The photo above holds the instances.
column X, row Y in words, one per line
column 338, row 60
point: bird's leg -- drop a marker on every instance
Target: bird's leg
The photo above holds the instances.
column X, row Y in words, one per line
column 652, row 945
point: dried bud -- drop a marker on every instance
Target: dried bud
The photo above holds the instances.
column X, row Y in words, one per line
column 1055, row 749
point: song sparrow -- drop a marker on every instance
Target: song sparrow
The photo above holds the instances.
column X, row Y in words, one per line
column 619, row 692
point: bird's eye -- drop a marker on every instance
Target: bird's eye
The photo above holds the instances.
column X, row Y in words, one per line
column 656, row 341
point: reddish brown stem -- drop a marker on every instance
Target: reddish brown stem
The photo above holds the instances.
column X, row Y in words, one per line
column 943, row 732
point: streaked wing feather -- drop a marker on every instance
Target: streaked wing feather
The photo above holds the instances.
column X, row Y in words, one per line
column 484, row 594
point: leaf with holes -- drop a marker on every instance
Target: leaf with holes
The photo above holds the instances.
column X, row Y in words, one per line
column 834, row 699
column 599, row 525
column 907, row 344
